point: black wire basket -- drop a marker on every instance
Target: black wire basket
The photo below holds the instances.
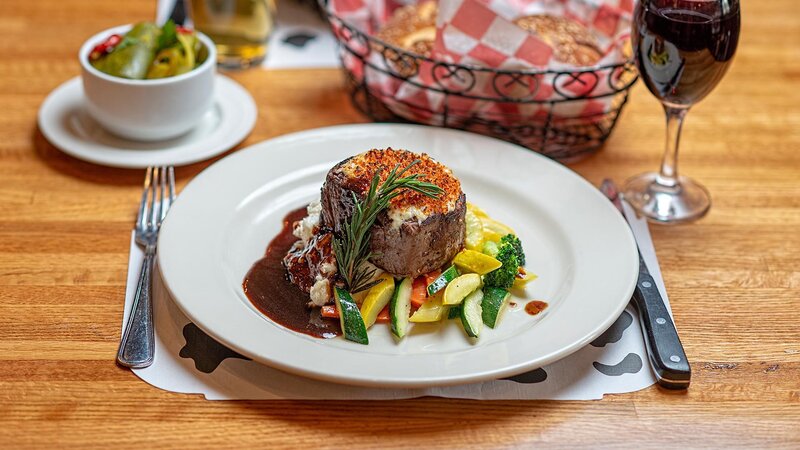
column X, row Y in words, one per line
column 570, row 122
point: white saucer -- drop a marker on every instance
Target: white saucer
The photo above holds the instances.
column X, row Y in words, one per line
column 64, row 121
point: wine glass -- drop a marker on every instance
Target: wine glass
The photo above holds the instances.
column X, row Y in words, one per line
column 682, row 49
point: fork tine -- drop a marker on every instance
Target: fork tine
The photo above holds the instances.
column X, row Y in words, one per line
column 171, row 184
column 155, row 208
column 162, row 182
column 162, row 201
column 169, row 172
column 140, row 217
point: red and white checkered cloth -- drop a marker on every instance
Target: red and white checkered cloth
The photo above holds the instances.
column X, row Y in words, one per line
column 481, row 33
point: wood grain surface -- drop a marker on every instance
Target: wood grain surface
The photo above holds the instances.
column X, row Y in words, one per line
column 733, row 277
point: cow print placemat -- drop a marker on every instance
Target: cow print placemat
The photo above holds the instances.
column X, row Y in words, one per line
column 187, row 360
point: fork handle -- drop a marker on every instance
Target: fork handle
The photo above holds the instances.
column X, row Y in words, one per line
column 137, row 347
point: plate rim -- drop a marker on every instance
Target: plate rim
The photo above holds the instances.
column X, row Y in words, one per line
column 70, row 145
column 429, row 381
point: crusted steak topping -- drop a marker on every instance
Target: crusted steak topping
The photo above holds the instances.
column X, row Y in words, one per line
column 417, row 234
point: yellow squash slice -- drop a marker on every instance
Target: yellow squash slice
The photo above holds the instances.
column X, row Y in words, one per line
column 494, row 230
column 476, row 262
column 377, row 298
column 430, row 311
column 476, row 210
column 523, row 279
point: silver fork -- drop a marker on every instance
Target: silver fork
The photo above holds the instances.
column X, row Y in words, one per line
column 137, row 347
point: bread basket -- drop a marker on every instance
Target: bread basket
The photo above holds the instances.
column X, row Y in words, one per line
column 570, row 122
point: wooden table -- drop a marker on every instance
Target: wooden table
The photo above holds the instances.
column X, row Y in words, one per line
column 733, row 277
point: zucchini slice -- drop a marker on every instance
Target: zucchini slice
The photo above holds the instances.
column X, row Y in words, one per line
column 490, row 248
column 400, row 308
column 350, row 317
column 459, row 288
column 454, row 312
column 494, row 298
column 472, row 313
column 442, row 280
column 473, row 238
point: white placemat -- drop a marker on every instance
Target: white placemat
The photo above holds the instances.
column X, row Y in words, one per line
column 189, row 361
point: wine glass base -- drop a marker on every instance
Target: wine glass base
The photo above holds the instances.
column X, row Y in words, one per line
column 684, row 202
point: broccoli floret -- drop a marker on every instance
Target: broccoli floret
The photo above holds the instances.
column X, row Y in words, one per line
column 510, row 253
column 504, row 276
column 514, row 241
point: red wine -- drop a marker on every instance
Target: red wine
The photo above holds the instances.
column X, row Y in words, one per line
column 684, row 47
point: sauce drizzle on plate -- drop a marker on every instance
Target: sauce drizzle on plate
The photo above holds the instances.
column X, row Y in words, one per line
column 271, row 292
column 534, row 307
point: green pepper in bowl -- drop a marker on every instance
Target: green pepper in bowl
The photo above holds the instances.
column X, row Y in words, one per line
column 131, row 58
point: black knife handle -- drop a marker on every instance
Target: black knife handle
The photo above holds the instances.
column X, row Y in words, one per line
column 664, row 346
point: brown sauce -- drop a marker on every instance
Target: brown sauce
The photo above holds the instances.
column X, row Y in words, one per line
column 534, row 307
column 271, row 292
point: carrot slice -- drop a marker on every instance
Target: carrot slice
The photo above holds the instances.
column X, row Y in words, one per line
column 431, row 276
column 330, row 311
column 383, row 316
column 419, row 291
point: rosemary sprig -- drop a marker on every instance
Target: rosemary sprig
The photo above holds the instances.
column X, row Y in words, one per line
column 352, row 247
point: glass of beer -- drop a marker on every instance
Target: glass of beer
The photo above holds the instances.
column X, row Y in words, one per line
column 239, row 28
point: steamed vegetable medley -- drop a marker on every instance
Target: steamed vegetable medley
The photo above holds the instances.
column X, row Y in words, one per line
column 148, row 51
column 474, row 288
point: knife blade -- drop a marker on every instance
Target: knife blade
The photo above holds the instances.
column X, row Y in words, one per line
column 664, row 348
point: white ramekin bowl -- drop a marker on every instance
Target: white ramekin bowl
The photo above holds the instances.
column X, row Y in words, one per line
column 147, row 110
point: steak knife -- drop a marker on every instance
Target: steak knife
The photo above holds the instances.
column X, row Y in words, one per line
column 664, row 347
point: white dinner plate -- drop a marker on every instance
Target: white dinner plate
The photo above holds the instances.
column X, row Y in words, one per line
column 65, row 123
column 575, row 241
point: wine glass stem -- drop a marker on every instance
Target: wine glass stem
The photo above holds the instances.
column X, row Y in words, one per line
column 668, row 176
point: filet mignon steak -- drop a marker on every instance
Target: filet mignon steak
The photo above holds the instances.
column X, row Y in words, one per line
column 416, row 234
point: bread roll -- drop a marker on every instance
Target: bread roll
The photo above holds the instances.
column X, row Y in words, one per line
column 412, row 28
column 572, row 43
